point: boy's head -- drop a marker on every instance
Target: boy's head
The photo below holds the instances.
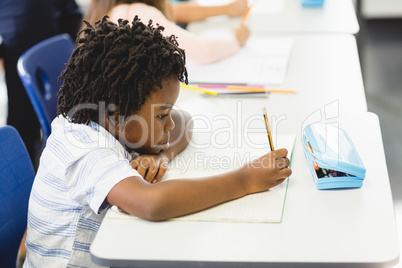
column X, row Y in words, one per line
column 115, row 70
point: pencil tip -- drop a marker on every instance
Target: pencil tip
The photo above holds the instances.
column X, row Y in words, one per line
column 264, row 109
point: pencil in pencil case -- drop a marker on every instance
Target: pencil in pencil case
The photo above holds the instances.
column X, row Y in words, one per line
column 333, row 159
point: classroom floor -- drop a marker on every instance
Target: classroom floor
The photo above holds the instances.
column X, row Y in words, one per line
column 380, row 48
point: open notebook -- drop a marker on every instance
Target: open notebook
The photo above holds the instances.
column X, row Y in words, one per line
column 262, row 61
column 263, row 7
column 196, row 161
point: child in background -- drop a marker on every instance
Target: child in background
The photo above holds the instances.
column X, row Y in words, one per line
column 116, row 102
column 186, row 12
column 200, row 49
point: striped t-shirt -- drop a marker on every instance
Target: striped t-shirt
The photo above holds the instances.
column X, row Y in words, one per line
column 78, row 167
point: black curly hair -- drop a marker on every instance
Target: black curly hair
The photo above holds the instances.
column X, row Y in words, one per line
column 117, row 64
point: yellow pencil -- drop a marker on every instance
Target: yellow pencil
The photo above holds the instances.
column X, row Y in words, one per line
column 210, row 92
column 259, row 89
column 251, row 89
column 264, row 112
column 282, row 91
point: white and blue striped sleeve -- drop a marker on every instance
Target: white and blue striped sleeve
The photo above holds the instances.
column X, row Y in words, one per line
column 95, row 174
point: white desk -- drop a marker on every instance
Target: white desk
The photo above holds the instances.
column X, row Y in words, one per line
column 338, row 228
column 324, row 70
column 336, row 16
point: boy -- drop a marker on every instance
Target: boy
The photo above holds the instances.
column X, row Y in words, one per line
column 119, row 88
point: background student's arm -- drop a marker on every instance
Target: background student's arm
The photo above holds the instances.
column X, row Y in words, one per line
column 153, row 167
column 172, row 198
column 198, row 48
column 185, row 12
column 207, row 50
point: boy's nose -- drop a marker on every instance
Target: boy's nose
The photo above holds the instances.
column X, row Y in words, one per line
column 169, row 125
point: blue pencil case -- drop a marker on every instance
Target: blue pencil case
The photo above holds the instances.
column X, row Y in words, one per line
column 312, row 3
column 332, row 157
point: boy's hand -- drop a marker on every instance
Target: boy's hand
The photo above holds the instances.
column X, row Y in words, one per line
column 267, row 171
column 151, row 167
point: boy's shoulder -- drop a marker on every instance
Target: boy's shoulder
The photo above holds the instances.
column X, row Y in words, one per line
column 80, row 139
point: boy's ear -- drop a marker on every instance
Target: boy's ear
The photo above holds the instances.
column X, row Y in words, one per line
column 112, row 120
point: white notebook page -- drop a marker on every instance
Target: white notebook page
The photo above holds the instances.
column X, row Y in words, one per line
column 262, row 61
column 195, row 162
column 259, row 6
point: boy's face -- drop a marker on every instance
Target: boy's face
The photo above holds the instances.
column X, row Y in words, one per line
column 148, row 131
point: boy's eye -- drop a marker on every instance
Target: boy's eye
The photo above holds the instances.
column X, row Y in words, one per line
column 162, row 116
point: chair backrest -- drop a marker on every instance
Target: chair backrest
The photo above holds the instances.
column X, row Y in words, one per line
column 39, row 68
column 16, row 178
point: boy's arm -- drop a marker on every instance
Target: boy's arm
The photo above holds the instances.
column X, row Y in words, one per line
column 172, row 198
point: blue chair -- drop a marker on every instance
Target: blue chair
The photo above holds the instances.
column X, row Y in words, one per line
column 16, row 178
column 39, row 68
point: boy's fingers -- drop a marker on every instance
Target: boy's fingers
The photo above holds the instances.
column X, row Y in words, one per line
column 282, row 163
column 145, row 163
column 134, row 163
column 161, row 172
column 280, row 181
column 152, row 170
column 143, row 166
column 285, row 173
column 142, row 171
column 280, row 153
